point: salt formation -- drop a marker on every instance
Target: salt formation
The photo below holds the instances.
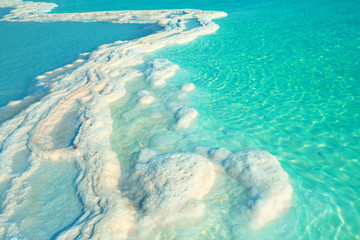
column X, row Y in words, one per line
column 187, row 87
column 144, row 155
column 71, row 121
column 185, row 116
column 77, row 99
column 144, row 97
column 169, row 188
column 159, row 70
column 269, row 189
column 215, row 154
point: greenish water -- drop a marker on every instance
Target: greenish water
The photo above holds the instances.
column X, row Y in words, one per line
column 282, row 76
column 4, row 11
column 48, row 46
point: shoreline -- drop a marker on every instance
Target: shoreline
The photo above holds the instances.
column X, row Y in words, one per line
column 87, row 90
column 72, row 123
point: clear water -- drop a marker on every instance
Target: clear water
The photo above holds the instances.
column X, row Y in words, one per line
column 282, row 76
column 48, row 46
column 4, row 11
column 285, row 77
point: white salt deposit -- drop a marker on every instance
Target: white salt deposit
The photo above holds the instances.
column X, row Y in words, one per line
column 269, row 191
column 79, row 61
column 185, row 116
column 81, row 98
column 159, row 70
column 187, row 87
column 159, row 189
column 218, row 154
column 169, row 188
column 144, row 97
column 144, row 155
column 40, row 77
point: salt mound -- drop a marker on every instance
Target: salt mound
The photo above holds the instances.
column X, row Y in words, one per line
column 169, row 188
column 269, row 189
column 187, row 87
column 144, row 97
column 185, row 116
column 159, row 70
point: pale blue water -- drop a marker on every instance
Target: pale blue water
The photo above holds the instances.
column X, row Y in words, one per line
column 48, row 46
column 282, row 76
column 4, row 11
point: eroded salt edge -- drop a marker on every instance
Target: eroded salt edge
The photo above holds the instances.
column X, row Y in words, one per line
column 87, row 90
column 169, row 188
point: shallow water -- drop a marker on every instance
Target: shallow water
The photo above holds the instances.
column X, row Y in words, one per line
column 4, row 11
column 280, row 76
column 284, row 77
column 51, row 45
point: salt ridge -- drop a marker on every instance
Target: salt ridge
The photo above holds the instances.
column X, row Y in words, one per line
column 79, row 95
column 86, row 90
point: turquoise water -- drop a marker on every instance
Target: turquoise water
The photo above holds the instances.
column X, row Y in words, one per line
column 4, row 11
column 282, row 76
column 48, row 46
column 286, row 79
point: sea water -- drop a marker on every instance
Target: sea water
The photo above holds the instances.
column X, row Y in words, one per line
column 30, row 49
column 281, row 76
column 278, row 75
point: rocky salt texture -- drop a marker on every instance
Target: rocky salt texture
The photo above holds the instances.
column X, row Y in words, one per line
column 185, row 116
column 159, row 70
column 77, row 100
column 169, row 188
column 187, row 87
column 144, row 97
column 71, row 121
column 269, row 190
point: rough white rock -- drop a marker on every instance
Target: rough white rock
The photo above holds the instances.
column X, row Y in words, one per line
column 169, row 188
column 144, row 155
column 185, row 116
column 269, row 190
column 187, row 87
column 218, row 154
column 144, row 97
column 159, row 70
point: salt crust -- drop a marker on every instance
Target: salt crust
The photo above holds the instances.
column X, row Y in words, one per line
column 85, row 89
column 162, row 189
column 269, row 190
column 88, row 90
column 159, row 70
column 187, row 87
column 144, row 97
column 185, row 116
column 169, row 188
